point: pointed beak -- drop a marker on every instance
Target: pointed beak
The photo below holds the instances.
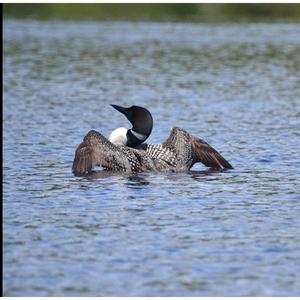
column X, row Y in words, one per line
column 121, row 109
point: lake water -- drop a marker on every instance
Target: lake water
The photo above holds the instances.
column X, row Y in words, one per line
column 233, row 233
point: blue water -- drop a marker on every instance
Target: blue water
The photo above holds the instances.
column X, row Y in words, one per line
column 233, row 233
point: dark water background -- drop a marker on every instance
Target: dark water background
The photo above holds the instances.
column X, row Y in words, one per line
column 234, row 233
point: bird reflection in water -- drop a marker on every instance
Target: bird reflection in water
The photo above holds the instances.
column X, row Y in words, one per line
column 137, row 181
column 134, row 180
column 210, row 174
column 140, row 180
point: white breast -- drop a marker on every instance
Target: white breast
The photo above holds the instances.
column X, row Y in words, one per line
column 119, row 136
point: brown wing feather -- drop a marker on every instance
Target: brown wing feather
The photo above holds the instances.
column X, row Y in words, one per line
column 190, row 150
column 83, row 161
column 203, row 152
column 96, row 150
column 180, row 143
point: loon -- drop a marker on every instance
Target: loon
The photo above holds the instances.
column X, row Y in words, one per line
column 125, row 150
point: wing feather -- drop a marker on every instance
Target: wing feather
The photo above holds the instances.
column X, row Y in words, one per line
column 190, row 150
column 203, row 152
column 96, row 150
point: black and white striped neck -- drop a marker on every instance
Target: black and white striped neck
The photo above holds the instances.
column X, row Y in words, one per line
column 142, row 123
column 134, row 138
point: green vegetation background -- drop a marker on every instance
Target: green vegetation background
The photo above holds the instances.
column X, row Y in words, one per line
column 157, row 12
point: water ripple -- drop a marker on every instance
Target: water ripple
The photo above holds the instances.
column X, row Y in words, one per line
column 201, row 233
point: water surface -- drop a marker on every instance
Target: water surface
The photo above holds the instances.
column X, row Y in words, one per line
column 234, row 233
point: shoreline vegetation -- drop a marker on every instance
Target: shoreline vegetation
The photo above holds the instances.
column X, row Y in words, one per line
column 177, row 12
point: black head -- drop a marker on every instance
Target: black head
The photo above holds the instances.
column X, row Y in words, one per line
column 139, row 117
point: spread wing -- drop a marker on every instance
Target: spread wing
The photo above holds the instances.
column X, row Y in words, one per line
column 203, row 152
column 163, row 157
column 96, row 150
column 190, row 150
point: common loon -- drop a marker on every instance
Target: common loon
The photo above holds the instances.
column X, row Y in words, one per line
column 142, row 124
column 125, row 151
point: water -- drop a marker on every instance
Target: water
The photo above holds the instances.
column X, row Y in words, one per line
column 233, row 233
